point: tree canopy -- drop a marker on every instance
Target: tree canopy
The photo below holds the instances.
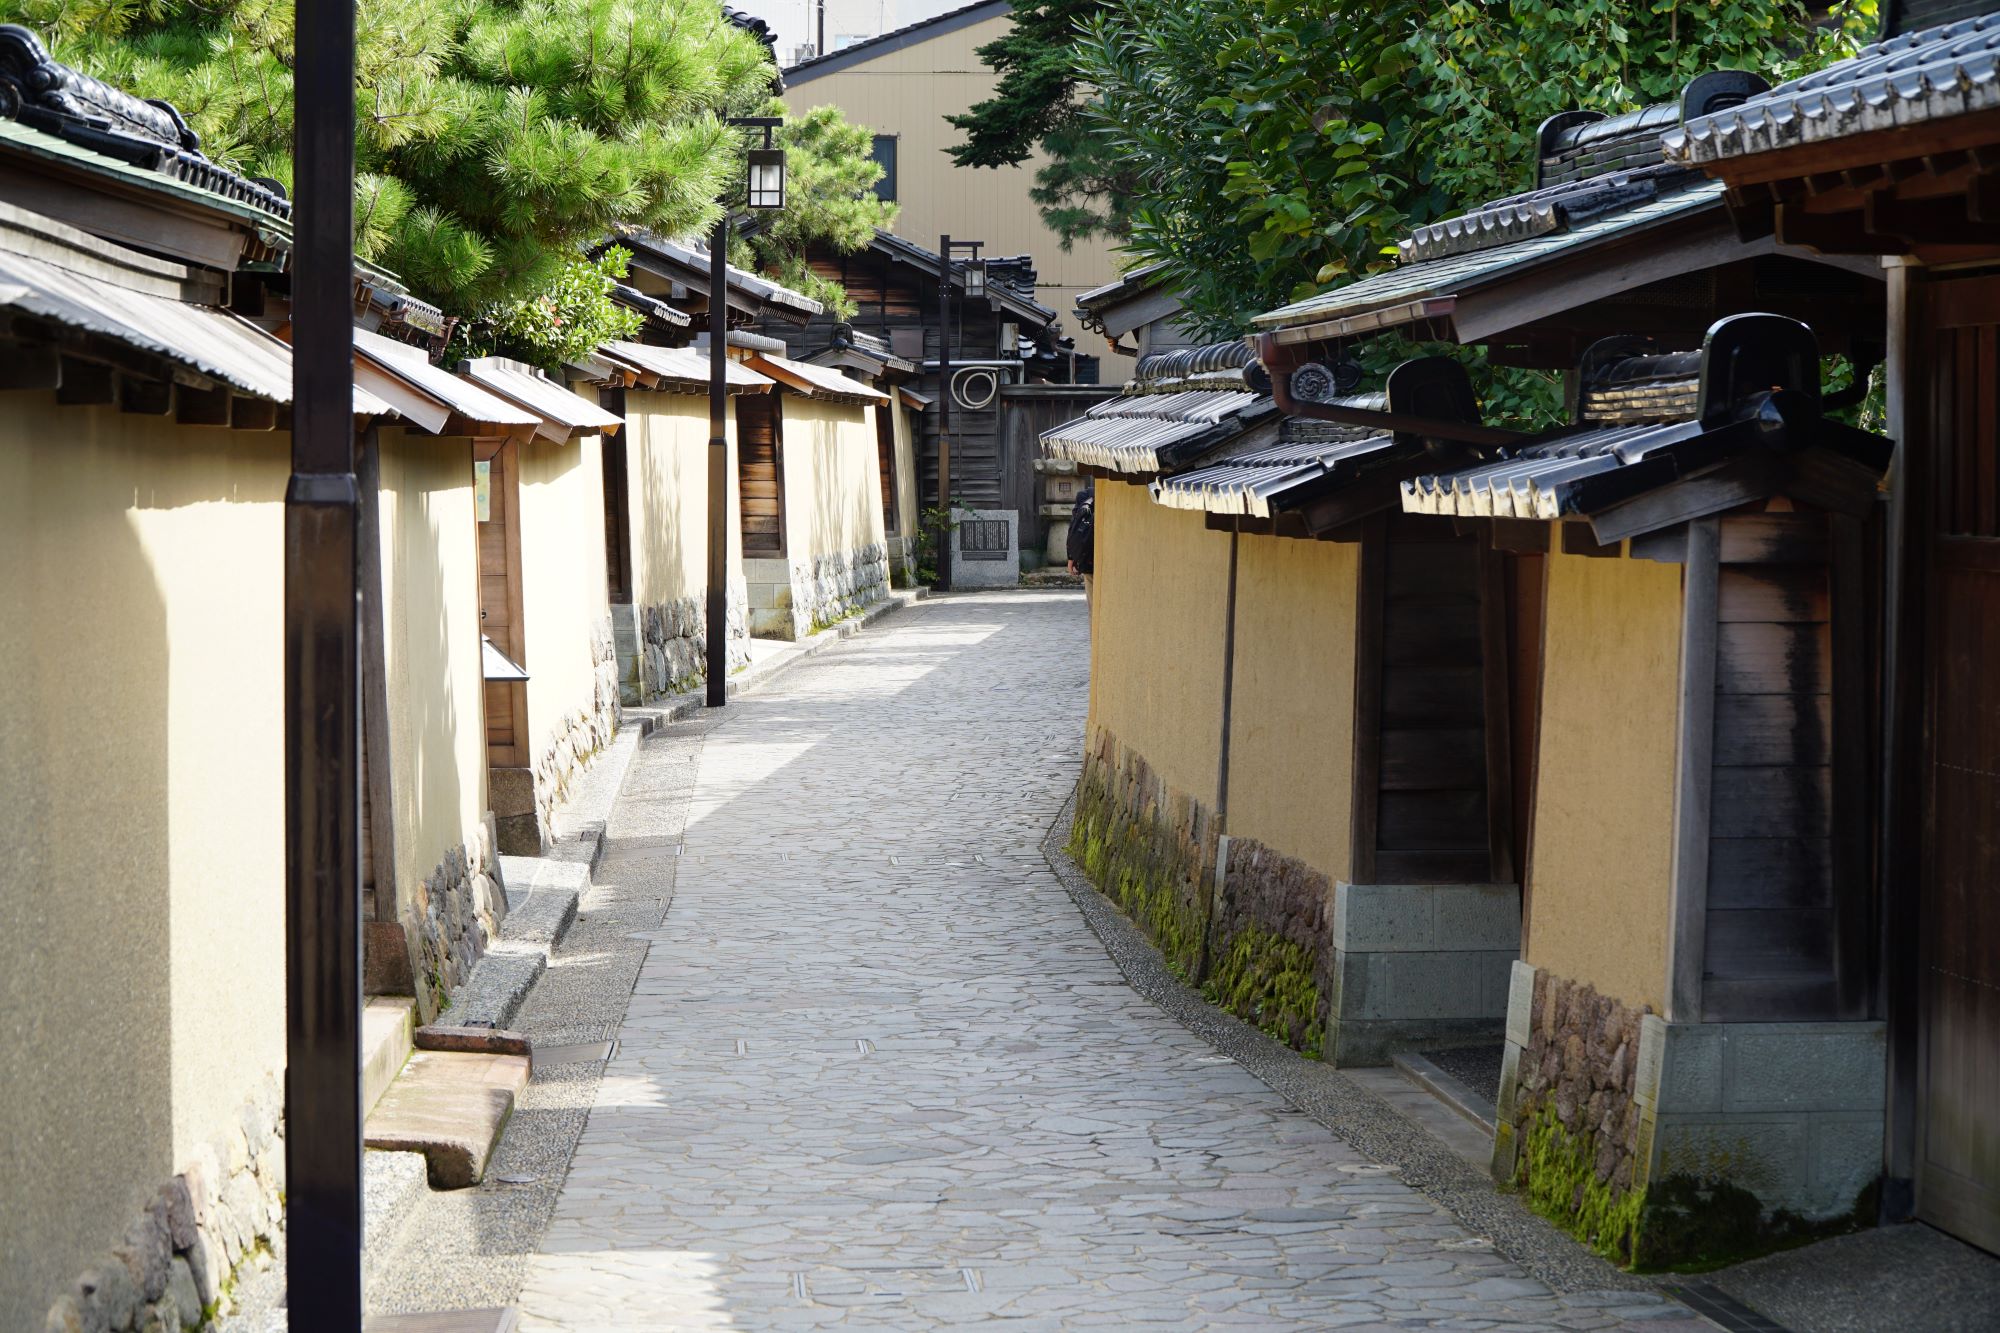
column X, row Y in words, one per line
column 1082, row 184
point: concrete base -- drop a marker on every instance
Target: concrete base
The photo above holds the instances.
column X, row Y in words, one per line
column 1418, row 965
column 625, row 640
column 517, row 830
column 774, row 611
column 1791, row 1112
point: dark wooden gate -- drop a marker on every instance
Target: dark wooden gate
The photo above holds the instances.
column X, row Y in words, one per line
column 1958, row 1127
column 500, row 602
column 760, row 471
column 885, row 453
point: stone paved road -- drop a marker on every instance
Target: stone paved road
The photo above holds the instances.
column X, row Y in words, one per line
column 877, row 1072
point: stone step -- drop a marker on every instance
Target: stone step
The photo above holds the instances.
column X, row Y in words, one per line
column 388, row 1023
column 451, row 1108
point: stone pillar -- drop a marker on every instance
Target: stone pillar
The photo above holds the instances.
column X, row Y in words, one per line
column 1419, row 964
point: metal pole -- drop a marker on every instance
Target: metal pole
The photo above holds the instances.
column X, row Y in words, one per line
column 820, row 49
column 717, row 629
column 944, row 415
column 322, row 691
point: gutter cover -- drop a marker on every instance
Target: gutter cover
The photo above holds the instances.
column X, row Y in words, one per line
column 912, row 399
column 684, row 367
column 564, row 415
column 815, row 381
column 431, row 396
column 208, row 342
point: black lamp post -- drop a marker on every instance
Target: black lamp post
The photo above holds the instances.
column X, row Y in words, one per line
column 974, row 273
column 322, row 692
column 764, row 189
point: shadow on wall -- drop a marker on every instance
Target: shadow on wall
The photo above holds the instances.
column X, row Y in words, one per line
column 86, row 1003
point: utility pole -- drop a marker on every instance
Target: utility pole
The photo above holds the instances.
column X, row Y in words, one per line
column 322, row 700
column 944, row 414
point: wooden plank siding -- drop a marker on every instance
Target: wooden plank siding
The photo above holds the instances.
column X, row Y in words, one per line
column 500, row 604
column 1433, row 760
column 1772, row 919
column 760, row 467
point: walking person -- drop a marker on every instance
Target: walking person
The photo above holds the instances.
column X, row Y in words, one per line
column 1082, row 536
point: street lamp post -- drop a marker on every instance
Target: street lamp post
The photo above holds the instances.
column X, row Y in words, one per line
column 322, row 700
column 975, row 289
column 764, row 189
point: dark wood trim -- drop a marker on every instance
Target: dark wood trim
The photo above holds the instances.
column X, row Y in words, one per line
column 1577, row 539
column 1529, row 536
column 1495, row 664
column 1228, row 687
column 1687, row 922
column 379, row 763
column 1853, row 896
column 1370, row 607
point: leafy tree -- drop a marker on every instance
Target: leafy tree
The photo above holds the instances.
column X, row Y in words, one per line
column 1083, row 183
column 829, row 199
column 494, row 138
column 1281, row 146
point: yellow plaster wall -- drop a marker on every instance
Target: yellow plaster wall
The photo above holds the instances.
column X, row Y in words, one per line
column 565, row 590
column 908, row 509
column 1158, row 602
column 1600, row 874
column 141, row 726
column 908, row 92
column 666, row 462
column 430, row 609
column 833, row 502
column 1291, row 751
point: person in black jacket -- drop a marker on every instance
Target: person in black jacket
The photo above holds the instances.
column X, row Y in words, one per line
column 1083, row 535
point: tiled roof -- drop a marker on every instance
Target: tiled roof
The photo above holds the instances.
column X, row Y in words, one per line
column 1949, row 70
column 1541, row 480
column 1409, row 284
column 97, row 121
column 1176, row 407
column 1254, row 479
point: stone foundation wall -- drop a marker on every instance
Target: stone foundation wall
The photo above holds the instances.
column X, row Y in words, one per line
column 1419, row 965
column 581, row 733
column 458, row 911
column 789, row 600
column 174, row 1268
column 1256, row 942
column 1685, row 1143
column 675, row 643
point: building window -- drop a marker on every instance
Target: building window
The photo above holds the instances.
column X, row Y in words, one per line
column 884, row 152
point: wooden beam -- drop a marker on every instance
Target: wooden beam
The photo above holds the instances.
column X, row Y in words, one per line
column 246, row 413
column 1669, row 546
column 85, row 384
column 1694, row 772
column 1752, row 477
column 1369, row 625
column 1528, row 536
column 1930, row 222
column 1577, row 539
column 30, row 366
column 145, row 397
column 203, row 407
column 1833, row 234
column 1495, row 669
column 1853, row 789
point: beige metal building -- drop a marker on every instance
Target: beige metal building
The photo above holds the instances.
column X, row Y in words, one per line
column 902, row 85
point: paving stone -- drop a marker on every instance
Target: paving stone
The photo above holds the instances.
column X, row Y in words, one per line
column 877, row 1071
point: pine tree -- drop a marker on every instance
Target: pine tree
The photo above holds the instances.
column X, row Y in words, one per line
column 829, row 200
column 495, row 139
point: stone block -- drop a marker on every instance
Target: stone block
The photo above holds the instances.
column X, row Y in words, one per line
column 510, row 791
column 1652, row 1055
column 1354, row 1043
column 1804, row 1067
column 1496, row 974
column 1765, row 1155
column 1478, row 916
column 1378, row 917
column 1843, row 1157
column 1505, row 1148
column 182, row 1292
column 1691, row 1073
column 1404, row 986
column 1510, row 1084
column 1520, row 1002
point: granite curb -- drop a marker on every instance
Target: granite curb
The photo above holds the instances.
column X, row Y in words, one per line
column 1361, row 1119
column 1443, row 1086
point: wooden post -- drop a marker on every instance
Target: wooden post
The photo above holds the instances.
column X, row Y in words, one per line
column 1687, row 923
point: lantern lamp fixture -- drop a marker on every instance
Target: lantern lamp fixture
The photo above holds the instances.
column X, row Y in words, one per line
column 975, row 279
column 765, row 185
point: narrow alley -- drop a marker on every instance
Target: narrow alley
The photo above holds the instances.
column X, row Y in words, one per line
column 877, row 1070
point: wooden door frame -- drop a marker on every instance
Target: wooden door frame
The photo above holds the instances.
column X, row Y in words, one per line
column 509, row 452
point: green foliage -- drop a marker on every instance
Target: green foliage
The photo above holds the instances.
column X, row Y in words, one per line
column 1037, row 103
column 1282, row 147
column 1267, row 980
column 1558, row 1172
column 829, row 200
column 1137, row 866
column 494, row 138
column 567, row 319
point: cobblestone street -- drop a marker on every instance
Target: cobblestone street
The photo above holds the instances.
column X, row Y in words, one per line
column 878, row 1071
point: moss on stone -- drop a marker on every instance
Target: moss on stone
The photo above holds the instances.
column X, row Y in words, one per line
column 1558, row 1173
column 1138, row 866
column 1267, row 980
